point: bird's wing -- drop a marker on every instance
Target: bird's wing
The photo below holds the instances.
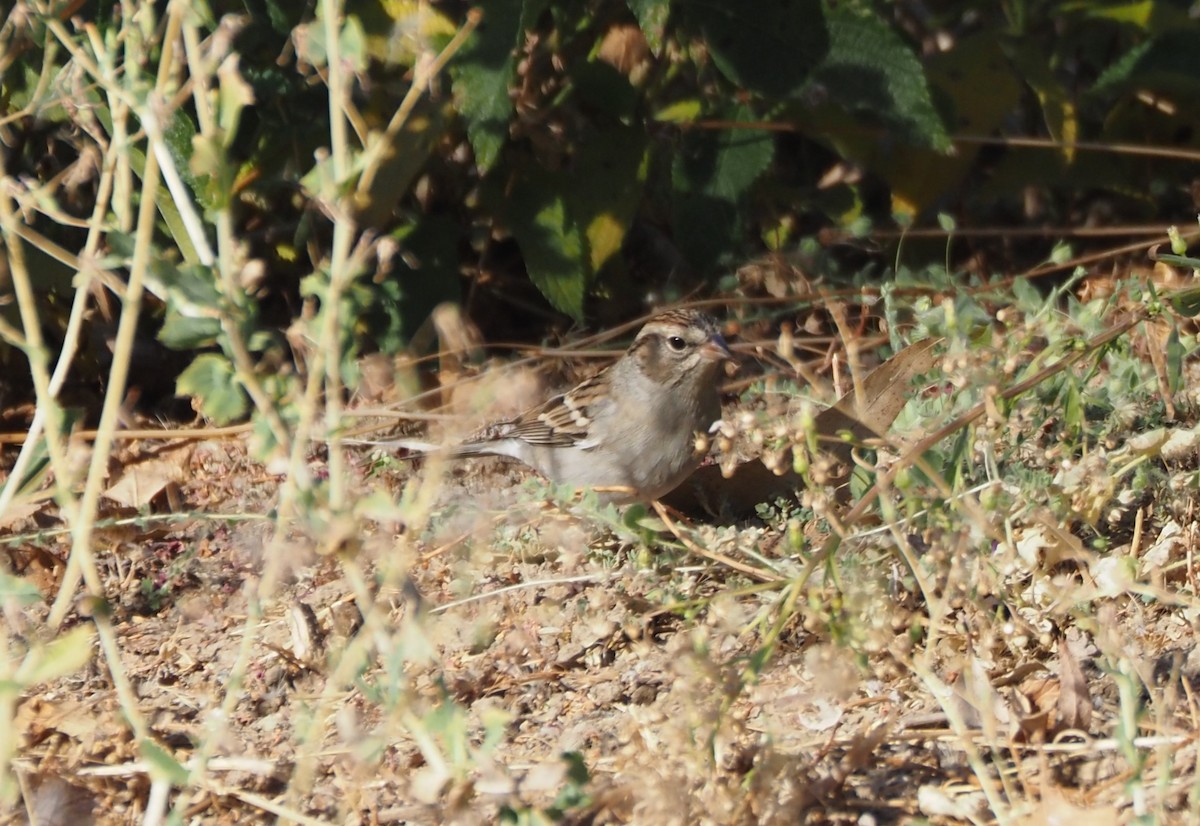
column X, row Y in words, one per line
column 562, row 421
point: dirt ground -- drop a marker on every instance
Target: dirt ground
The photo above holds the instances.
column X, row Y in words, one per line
column 500, row 658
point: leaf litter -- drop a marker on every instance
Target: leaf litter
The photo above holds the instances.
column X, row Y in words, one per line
column 561, row 661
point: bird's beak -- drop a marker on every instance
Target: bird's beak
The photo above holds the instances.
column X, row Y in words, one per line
column 715, row 349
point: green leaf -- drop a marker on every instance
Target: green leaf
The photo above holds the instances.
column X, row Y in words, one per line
column 1186, row 301
column 1027, row 296
column 1152, row 16
column 770, row 49
column 427, row 274
column 871, row 72
column 182, row 333
column 573, row 794
column 398, row 163
column 483, row 71
column 263, row 443
column 352, row 43
column 20, row 84
column 62, row 656
column 179, row 129
column 39, row 460
column 1071, row 406
column 193, row 304
column 200, row 14
column 1058, row 105
column 495, row 727
column 918, row 171
column 552, row 246
column 191, row 288
column 210, row 380
column 235, row 94
column 1175, row 355
column 1138, row 12
column 282, row 15
column 1169, row 63
column 18, row 591
column 1178, row 260
column 570, row 223
column 712, row 173
column 601, row 88
column 178, row 134
column 652, row 18
column 162, row 765
column 603, row 190
column 682, row 111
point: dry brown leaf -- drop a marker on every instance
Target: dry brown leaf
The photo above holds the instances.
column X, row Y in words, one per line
column 37, row 566
column 864, row 747
column 38, row 718
column 1056, row 703
column 1074, row 699
column 1038, row 721
column 978, row 704
column 54, row 800
column 1061, row 545
column 1017, row 674
column 19, row 510
column 624, row 47
column 1157, row 332
column 886, row 390
column 137, row 483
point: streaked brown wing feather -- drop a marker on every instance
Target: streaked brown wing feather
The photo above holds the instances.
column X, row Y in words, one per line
column 561, row 421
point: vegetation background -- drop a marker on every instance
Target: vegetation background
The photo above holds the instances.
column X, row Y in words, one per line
column 234, row 205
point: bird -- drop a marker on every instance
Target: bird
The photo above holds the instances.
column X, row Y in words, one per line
column 629, row 431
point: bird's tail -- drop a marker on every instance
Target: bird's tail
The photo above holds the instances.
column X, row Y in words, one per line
column 415, row 447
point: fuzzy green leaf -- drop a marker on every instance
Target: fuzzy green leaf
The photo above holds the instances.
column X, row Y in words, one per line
column 162, row 765
column 603, row 190
column 552, row 246
column 652, row 18
column 483, row 71
column 1167, row 63
column 64, row 655
column 1186, row 301
column 712, row 173
column 179, row 332
column 211, row 381
column 871, row 71
column 769, row 50
column 19, row 591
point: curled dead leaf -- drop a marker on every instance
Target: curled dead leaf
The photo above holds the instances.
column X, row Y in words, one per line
column 721, row 490
column 137, row 483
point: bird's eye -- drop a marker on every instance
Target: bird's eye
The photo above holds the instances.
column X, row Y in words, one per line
column 676, row 343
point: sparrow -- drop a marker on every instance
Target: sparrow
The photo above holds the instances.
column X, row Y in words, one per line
column 630, row 430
